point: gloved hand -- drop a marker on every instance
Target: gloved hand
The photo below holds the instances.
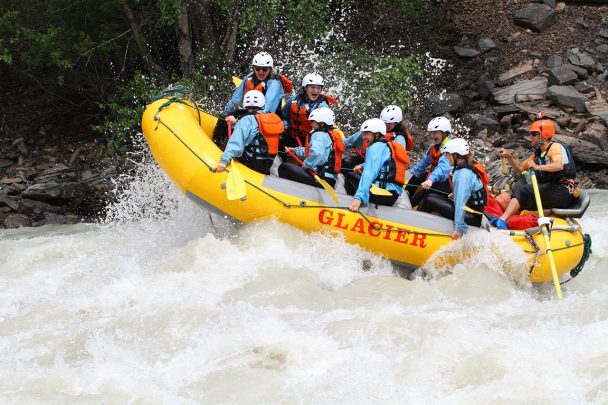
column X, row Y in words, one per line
column 498, row 223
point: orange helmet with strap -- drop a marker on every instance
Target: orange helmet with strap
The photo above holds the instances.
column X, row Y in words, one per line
column 546, row 128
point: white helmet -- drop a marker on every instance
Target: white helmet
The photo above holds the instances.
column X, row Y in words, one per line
column 254, row 98
column 391, row 113
column 262, row 59
column 312, row 78
column 323, row 114
column 374, row 125
column 456, row 145
column 439, row 124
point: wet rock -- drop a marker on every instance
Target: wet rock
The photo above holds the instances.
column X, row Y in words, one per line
column 13, row 221
column 442, row 103
column 56, row 219
column 55, row 192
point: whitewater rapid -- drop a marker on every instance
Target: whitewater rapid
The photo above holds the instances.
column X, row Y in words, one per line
column 162, row 305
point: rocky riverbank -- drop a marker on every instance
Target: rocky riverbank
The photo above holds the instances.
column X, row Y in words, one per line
column 516, row 59
column 53, row 185
column 506, row 62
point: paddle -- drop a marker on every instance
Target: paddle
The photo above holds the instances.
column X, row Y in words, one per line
column 504, row 170
column 544, row 225
column 235, row 182
column 323, row 183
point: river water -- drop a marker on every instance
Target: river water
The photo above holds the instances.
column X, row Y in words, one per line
column 161, row 305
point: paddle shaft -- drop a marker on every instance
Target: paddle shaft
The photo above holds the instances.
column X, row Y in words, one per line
column 545, row 231
column 319, row 180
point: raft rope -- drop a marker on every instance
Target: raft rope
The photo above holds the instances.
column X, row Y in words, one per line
column 179, row 93
column 586, row 254
column 185, row 91
column 274, row 197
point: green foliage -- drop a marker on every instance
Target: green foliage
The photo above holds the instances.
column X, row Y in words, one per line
column 169, row 11
column 123, row 113
column 90, row 50
column 367, row 83
column 301, row 20
column 415, row 8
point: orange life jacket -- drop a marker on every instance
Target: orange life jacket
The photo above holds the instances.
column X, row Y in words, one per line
column 479, row 198
column 478, row 169
column 334, row 161
column 299, row 125
column 409, row 141
column 252, row 83
column 397, row 165
column 271, row 127
column 401, row 159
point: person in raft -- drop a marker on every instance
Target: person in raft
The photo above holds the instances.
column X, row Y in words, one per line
column 255, row 141
column 469, row 179
column 432, row 171
column 298, row 108
column 385, row 165
column 396, row 129
column 322, row 153
column 261, row 78
column 555, row 173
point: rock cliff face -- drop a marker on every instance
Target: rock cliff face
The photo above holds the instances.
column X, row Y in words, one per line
column 517, row 58
column 506, row 61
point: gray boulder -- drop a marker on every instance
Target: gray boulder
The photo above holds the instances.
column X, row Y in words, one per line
column 486, row 45
column 534, row 86
column 442, row 103
column 562, row 75
column 567, row 96
column 468, row 53
column 583, row 151
column 537, row 17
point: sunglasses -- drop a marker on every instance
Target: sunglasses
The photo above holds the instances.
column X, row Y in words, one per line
column 534, row 133
column 261, row 69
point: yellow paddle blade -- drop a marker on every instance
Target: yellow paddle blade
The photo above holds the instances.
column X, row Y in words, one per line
column 328, row 188
column 545, row 231
column 235, row 184
column 375, row 190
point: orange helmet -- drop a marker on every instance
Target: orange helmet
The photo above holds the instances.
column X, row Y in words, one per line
column 546, row 128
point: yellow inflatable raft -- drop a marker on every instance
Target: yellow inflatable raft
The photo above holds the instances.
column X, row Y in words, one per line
column 179, row 135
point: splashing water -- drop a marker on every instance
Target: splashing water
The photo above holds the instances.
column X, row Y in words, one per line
column 152, row 307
